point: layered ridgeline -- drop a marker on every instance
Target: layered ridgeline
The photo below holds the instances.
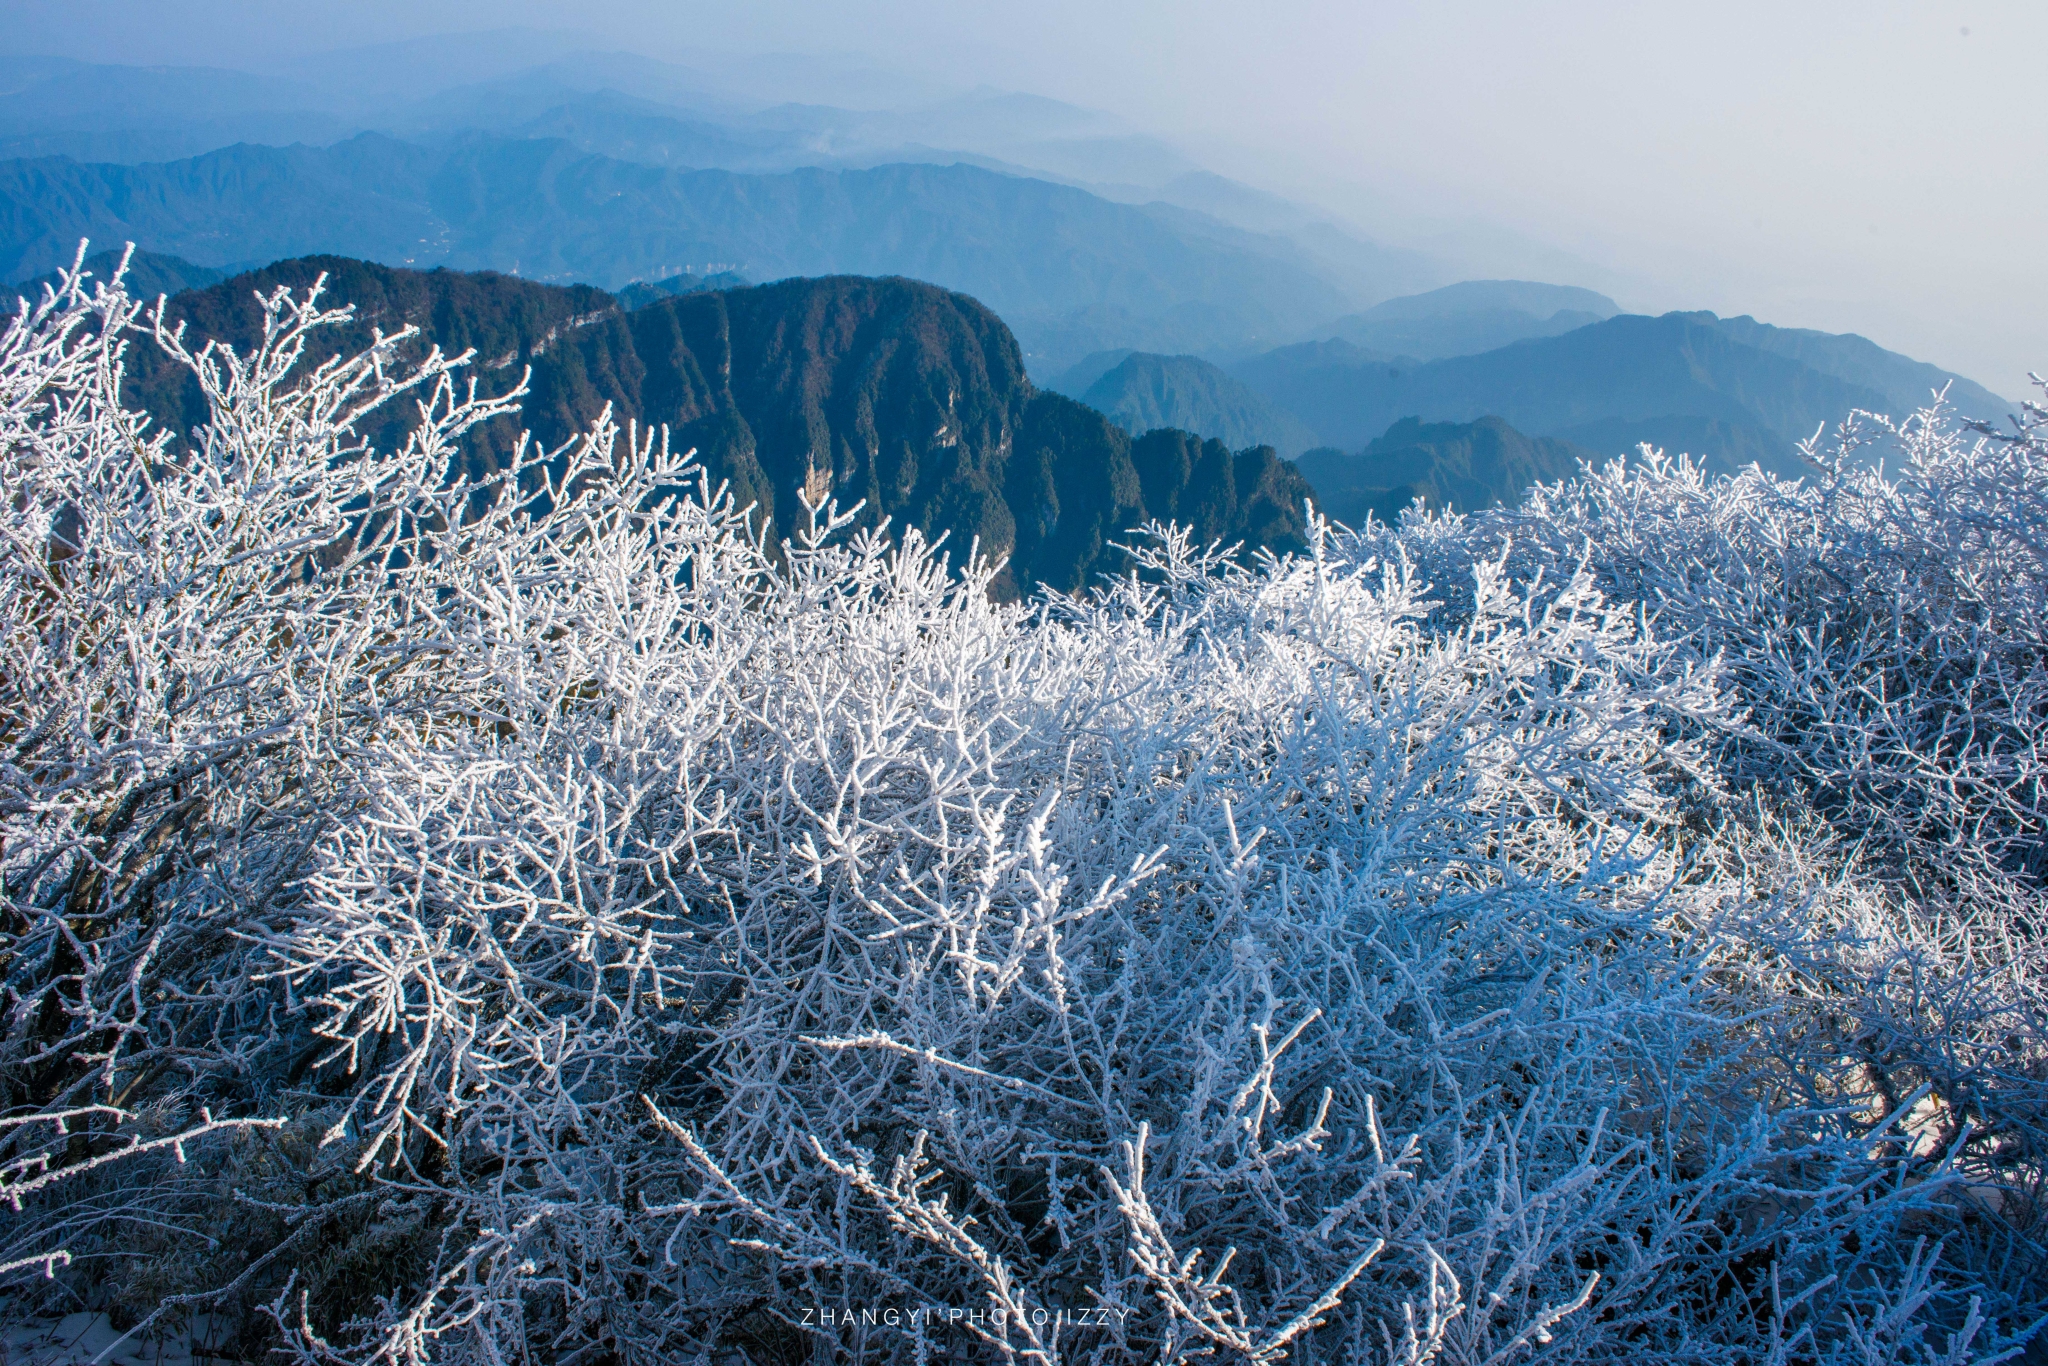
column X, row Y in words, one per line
column 1069, row 271
column 1464, row 466
column 1552, row 360
column 1143, row 391
column 763, row 117
column 1472, row 316
column 150, row 273
column 1729, row 390
column 897, row 394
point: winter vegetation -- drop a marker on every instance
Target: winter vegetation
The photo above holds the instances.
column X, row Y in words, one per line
column 525, row 916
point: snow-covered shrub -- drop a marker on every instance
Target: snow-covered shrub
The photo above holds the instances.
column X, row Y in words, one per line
column 1880, row 631
column 1884, row 623
column 194, row 656
column 656, row 948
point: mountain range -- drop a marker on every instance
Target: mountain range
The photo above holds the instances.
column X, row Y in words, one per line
column 1068, row 270
column 1187, row 259
column 1732, row 391
column 1729, row 390
column 1161, row 294
column 909, row 399
column 1472, row 316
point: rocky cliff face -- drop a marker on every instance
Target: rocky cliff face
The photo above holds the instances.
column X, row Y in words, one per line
column 903, row 397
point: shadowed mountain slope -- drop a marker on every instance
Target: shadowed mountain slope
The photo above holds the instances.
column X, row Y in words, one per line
column 898, row 394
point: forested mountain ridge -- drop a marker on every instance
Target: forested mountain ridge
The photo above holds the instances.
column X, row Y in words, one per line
column 897, row 394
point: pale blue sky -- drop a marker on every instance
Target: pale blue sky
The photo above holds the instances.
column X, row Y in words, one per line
column 1877, row 167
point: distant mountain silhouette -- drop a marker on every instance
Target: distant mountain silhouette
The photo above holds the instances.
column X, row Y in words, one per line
column 1284, row 364
column 149, row 274
column 1724, row 443
column 1906, row 384
column 1079, row 377
column 1469, row 297
column 1466, row 466
column 1672, row 380
column 610, row 124
column 55, row 106
column 1071, row 272
column 1144, row 391
column 900, row 394
column 1472, row 316
column 641, row 293
column 1464, row 334
column 526, row 85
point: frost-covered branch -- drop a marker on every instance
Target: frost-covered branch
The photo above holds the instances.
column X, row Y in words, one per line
column 1585, row 933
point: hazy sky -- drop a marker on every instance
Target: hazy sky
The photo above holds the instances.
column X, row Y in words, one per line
column 1873, row 167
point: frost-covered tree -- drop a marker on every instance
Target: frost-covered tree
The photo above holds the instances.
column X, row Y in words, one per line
column 531, row 919
column 1880, row 630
